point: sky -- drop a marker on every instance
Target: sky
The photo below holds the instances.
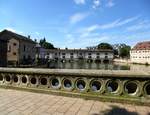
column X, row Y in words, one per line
column 78, row 23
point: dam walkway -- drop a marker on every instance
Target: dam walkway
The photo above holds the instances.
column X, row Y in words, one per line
column 14, row 102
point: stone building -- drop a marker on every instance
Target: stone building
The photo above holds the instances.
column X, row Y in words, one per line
column 140, row 53
column 3, row 52
column 76, row 54
column 20, row 49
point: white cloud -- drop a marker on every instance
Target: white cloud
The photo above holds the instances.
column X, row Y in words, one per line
column 78, row 17
column 96, row 4
column 92, row 28
column 116, row 23
column 110, row 3
column 110, row 25
column 79, row 1
column 140, row 26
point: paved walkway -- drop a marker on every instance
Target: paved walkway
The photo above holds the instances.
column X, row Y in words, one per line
column 26, row 103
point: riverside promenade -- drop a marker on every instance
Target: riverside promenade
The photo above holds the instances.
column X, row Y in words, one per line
column 13, row 102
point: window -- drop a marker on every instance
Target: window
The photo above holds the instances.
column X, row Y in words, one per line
column 71, row 53
column 24, row 57
column 71, row 57
column 14, row 44
column 89, row 53
column 9, row 48
column 14, row 53
column 106, row 53
column 97, row 53
column 97, row 57
column 63, row 57
column 55, row 54
column 24, row 48
column 63, row 53
column 80, row 54
column 89, row 57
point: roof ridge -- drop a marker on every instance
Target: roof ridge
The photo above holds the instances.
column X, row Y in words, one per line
column 18, row 35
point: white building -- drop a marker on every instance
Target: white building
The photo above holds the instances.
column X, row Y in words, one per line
column 75, row 54
column 140, row 53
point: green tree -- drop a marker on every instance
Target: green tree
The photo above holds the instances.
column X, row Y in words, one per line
column 46, row 44
column 105, row 46
column 125, row 51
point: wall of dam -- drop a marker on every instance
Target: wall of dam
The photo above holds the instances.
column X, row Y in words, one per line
column 106, row 85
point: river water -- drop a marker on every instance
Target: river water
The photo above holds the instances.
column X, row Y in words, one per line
column 100, row 66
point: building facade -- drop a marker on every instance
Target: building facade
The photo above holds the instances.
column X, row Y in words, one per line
column 20, row 49
column 3, row 53
column 76, row 54
column 140, row 53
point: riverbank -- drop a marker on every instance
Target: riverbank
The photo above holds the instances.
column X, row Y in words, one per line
column 127, row 61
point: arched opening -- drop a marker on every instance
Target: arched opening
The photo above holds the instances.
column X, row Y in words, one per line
column 95, row 86
column 33, row 80
column 24, row 79
column 15, row 79
column 7, row 78
column 43, row 81
column 112, row 86
column 55, row 82
column 81, row 84
column 97, row 61
column 67, row 83
column 106, row 61
column 131, row 87
column 1, row 78
column 147, row 89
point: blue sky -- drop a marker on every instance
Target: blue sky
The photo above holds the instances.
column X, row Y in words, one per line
column 78, row 23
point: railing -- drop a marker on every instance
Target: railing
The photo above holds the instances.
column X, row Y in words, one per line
column 123, row 86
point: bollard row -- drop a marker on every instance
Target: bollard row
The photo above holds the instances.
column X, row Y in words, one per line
column 101, row 85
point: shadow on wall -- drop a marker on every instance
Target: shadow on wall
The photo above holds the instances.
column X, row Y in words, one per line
column 116, row 111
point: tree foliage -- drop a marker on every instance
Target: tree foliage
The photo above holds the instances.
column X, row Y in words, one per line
column 105, row 46
column 125, row 51
column 46, row 44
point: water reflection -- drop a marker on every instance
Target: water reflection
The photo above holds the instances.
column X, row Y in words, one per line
column 85, row 65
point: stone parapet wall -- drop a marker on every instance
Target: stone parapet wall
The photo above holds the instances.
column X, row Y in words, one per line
column 127, row 86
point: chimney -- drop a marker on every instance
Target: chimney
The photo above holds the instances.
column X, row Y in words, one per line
column 29, row 36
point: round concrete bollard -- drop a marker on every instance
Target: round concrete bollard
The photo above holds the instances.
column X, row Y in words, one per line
column 1, row 79
column 8, row 79
column 114, row 87
column 16, row 79
column 132, row 88
column 24, row 80
column 43, row 82
column 34, row 81
column 68, row 84
column 81, row 84
column 146, row 89
column 96, row 85
column 55, row 83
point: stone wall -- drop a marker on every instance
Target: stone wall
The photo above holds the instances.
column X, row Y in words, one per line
column 124, row 86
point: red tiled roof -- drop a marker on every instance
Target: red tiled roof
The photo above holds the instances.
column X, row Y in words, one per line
column 142, row 46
